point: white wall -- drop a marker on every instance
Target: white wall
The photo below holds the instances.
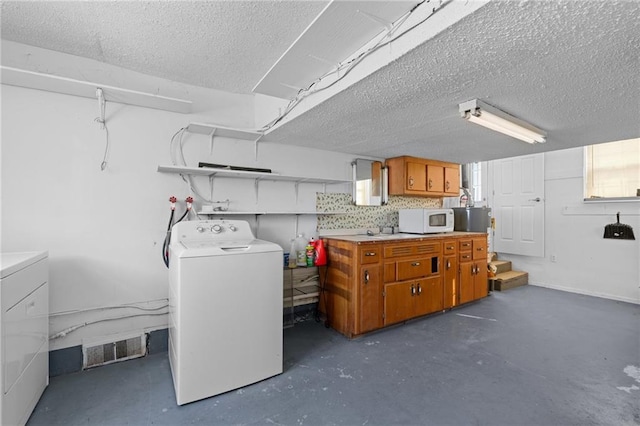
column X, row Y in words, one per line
column 104, row 230
column 584, row 262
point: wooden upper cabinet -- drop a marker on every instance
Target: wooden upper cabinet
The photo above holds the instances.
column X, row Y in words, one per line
column 416, row 176
column 435, row 179
column 452, row 181
column 422, row 177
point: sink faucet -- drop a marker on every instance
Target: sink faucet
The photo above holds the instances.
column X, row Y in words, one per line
column 469, row 202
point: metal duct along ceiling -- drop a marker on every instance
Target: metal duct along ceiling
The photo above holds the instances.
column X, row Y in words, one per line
column 338, row 32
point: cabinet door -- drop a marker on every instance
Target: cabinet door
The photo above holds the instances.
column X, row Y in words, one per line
column 416, row 176
column 370, row 292
column 398, row 301
column 480, row 285
column 450, row 281
column 467, row 287
column 435, row 179
column 452, row 180
column 430, row 296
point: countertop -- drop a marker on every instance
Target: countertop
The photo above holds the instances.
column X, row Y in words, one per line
column 401, row 236
column 11, row 263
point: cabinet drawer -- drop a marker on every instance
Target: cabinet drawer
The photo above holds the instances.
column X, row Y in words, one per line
column 16, row 286
column 466, row 257
column 410, row 269
column 25, row 333
column 449, row 247
column 412, row 249
column 370, row 255
column 480, row 249
column 465, row 245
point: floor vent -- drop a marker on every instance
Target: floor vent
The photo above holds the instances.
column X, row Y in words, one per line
column 107, row 353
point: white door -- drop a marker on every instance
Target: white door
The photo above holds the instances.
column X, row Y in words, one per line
column 518, row 205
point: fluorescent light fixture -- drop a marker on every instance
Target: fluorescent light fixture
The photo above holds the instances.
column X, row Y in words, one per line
column 492, row 118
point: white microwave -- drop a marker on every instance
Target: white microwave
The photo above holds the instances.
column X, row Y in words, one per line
column 425, row 221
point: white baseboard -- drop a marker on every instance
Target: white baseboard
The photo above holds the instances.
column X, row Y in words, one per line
column 588, row 293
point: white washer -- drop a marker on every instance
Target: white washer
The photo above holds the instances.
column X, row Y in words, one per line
column 225, row 308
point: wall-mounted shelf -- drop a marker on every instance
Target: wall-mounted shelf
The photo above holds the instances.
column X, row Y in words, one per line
column 210, row 171
column 282, row 213
column 87, row 89
column 226, row 132
column 213, row 130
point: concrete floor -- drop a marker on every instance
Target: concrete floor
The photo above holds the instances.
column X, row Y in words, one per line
column 527, row 356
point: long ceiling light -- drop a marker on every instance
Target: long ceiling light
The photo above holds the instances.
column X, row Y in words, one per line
column 492, row 118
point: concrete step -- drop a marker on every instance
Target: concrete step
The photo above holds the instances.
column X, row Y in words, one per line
column 509, row 279
column 500, row 266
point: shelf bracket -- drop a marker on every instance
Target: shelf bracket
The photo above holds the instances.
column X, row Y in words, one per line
column 211, row 136
column 255, row 147
column 256, row 185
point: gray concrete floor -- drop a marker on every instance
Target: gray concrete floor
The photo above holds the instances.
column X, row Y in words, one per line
column 527, row 356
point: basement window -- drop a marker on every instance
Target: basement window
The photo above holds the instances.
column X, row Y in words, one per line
column 612, row 171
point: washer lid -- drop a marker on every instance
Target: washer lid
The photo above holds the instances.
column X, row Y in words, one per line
column 11, row 263
column 195, row 244
column 201, row 248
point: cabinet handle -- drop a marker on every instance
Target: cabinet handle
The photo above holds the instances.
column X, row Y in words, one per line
column 419, row 289
column 366, row 276
column 448, row 264
column 413, row 290
column 430, row 183
column 370, row 253
column 480, row 248
column 410, row 181
column 447, row 185
column 415, row 264
column 450, row 248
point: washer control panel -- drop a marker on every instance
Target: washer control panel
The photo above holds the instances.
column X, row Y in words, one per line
column 218, row 230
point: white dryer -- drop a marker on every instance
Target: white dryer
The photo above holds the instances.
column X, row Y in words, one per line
column 225, row 308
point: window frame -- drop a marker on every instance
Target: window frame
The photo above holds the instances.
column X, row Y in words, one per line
column 585, row 184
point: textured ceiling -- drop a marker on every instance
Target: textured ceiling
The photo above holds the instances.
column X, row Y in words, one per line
column 568, row 67
column 225, row 45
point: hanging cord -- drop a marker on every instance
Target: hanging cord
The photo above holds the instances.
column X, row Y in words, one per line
column 167, row 238
column 176, row 152
column 102, row 104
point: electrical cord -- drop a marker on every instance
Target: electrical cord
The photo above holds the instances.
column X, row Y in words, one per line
column 104, row 308
column 309, row 90
column 73, row 328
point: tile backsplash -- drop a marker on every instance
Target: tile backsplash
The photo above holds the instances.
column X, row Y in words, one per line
column 349, row 216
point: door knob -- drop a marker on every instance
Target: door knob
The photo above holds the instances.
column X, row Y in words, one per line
column 537, row 199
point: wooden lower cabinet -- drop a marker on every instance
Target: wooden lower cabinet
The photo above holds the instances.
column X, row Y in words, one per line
column 370, row 298
column 406, row 300
column 451, row 282
column 473, row 269
column 370, row 285
column 467, row 286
